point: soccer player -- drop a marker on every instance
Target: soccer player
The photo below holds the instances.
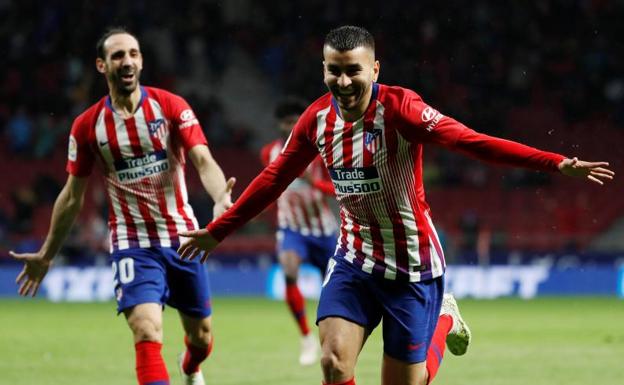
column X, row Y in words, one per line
column 389, row 264
column 306, row 225
column 140, row 137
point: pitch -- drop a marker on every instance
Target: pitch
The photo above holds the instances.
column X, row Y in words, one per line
column 572, row 341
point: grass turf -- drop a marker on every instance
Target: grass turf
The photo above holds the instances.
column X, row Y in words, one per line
column 572, row 341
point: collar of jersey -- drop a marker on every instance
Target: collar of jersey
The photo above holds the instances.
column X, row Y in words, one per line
column 109, row 102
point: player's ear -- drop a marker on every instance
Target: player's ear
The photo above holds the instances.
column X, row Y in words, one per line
column 100, row 64
column 376, row 68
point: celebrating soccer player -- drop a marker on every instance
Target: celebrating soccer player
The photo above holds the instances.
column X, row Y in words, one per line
column 307, row 226
column 388, row 264
column 140, row 137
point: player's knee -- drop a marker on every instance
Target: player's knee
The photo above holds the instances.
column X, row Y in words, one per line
column 146, row 329
column 201, row 336
column 333, row 366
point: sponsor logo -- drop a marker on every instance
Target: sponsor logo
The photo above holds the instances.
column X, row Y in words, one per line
column 373, row 139
column 103, row 143
column 358, row 180
column 187, row 115
column 432, row 116
column 133, row 169
column 72, row 149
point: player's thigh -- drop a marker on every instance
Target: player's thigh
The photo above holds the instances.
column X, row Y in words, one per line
column 139, row 276
column 289, row 261
column 396, row 372
column 321, row 250
column 347, row 293
column 145, row 321
column 410, row 314
column 188, row 286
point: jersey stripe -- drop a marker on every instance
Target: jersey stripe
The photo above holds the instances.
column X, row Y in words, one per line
column 117, row 193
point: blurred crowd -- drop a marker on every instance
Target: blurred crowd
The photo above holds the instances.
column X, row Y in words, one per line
column 473, row 60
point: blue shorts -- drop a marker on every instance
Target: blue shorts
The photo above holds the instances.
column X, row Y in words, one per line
column 158, row 275
column 409, row 311
column 314, row 250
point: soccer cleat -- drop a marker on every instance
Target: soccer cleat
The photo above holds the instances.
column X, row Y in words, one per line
column 196, row 378
column 459, row 336
column 309, row 350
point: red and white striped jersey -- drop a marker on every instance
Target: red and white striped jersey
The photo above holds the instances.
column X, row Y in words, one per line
column 142, row 159
column 302, row 207
column 376, row 167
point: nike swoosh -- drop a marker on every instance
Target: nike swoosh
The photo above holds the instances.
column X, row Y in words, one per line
column 102, row 144
column 413, row 347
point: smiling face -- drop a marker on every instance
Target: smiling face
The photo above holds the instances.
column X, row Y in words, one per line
column 122, row 63
column 349, row 76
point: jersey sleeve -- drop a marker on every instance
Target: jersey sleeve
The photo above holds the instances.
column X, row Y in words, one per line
column 80, row 157
column 297, row 153
column 185, row 123
column 423, row 123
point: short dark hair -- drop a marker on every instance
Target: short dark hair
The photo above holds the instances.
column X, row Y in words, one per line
column 290, row 105
column 349, row 37
column 99, row 47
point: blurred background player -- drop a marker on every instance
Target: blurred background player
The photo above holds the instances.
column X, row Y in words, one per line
column 140, row 137
column 389, row 263
column 306, row 225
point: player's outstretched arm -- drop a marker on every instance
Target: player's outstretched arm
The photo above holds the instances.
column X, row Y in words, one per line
column 66, row 209
column 212, row 179
column 200, row 241
column 596, row 172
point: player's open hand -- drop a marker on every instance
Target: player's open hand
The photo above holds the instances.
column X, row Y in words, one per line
column 35, row 269
column 199, row 242
column 225, row 202
column 596, row 172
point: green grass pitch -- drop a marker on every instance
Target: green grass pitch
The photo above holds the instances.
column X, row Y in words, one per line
column 571, row 341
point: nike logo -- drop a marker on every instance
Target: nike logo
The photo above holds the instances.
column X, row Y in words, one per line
column 413, row 347
column 103, row 143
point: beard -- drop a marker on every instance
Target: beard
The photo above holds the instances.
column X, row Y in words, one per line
column 124, row 86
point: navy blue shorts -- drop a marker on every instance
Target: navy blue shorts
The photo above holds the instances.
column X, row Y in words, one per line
column 158, row 275
column 313, row 250
column 409, row 311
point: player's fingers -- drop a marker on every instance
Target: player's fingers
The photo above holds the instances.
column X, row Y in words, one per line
column 188, row 234
column 23, row 290
column 20, row 276
column 19, row 257
column 230, row 185
column 604, row 170
column 594, row 179
column 194, row 254
column 204, row 257
column 603, row 175
column 35, row 288
column 183, row 250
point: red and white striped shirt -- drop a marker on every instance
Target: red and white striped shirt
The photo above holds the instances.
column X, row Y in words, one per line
column 376, row 166
column 142, row 158
column 302, row 207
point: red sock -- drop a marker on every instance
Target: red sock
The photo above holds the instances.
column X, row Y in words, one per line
column 195, row 355
column 150, row 367
column 295, row 302
column 438, row 343
column 350, row 382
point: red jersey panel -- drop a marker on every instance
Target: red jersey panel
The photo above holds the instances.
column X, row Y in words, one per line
column 376, row 167
column 303, row 207
column 142, row 159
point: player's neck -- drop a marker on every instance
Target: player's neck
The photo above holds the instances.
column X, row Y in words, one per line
column 126, row 105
